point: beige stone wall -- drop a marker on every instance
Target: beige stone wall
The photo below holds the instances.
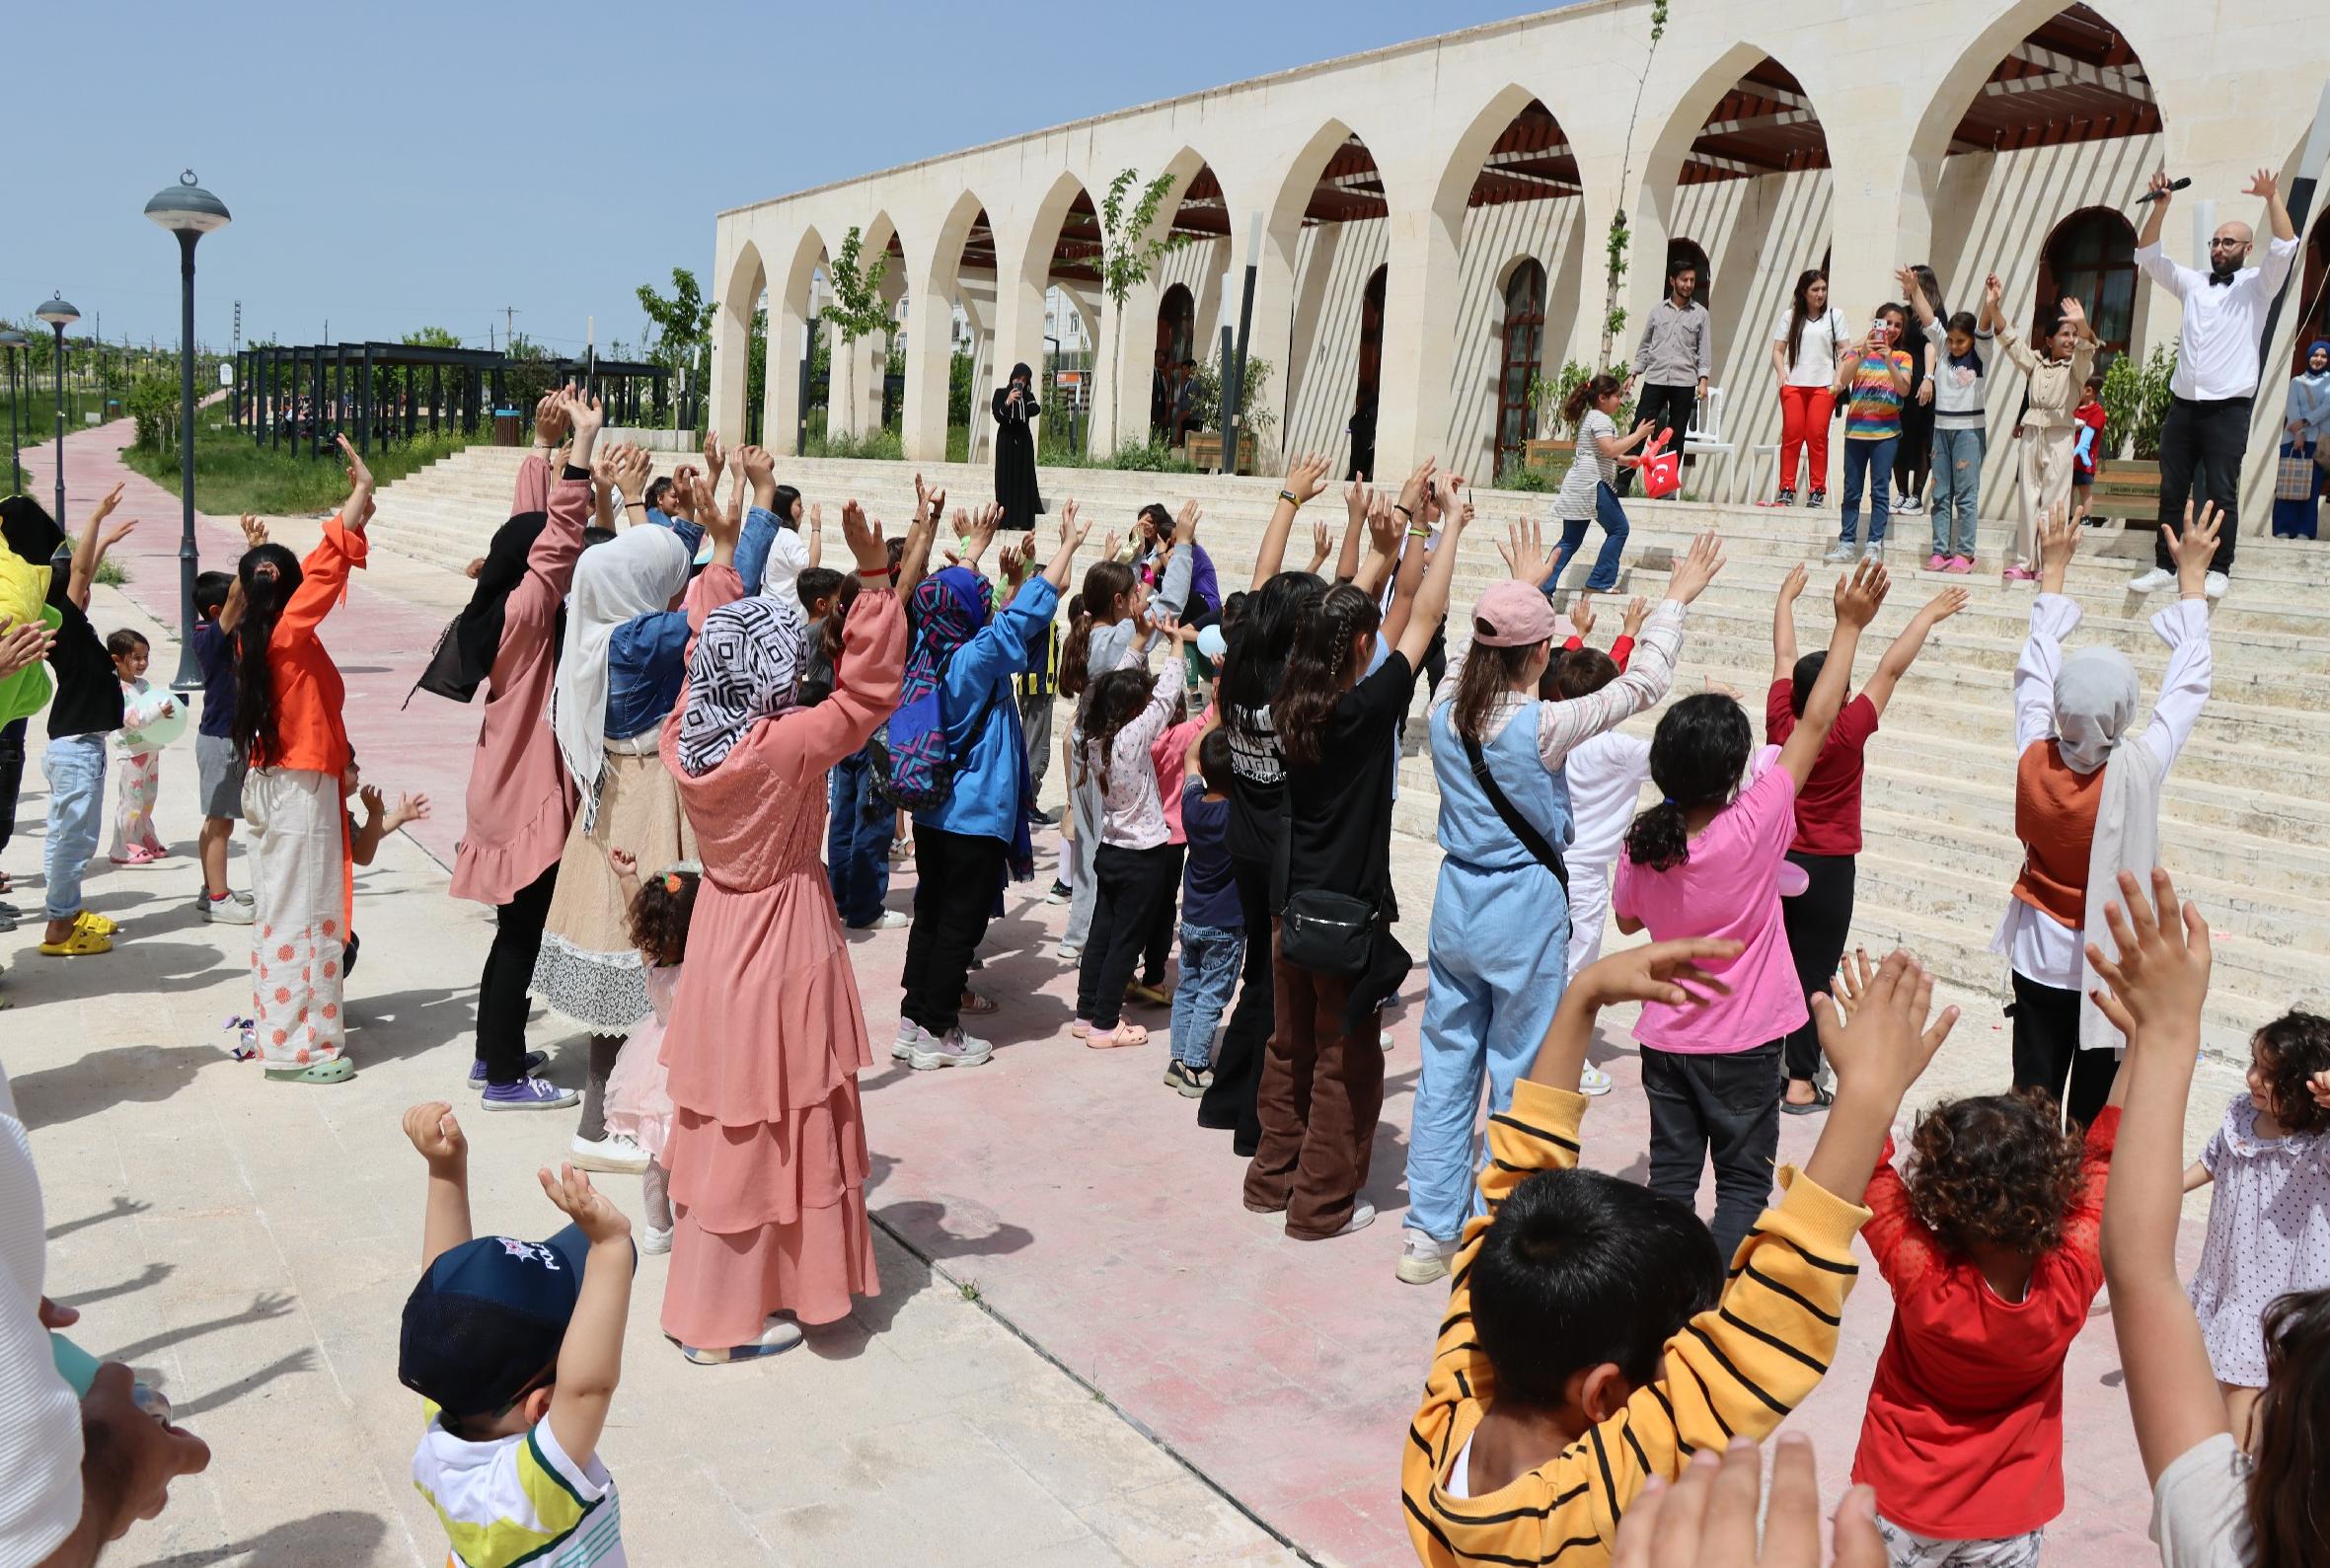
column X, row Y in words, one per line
column 2236, row 88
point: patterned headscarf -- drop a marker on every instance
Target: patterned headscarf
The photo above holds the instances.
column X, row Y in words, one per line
column 745, row 668
column 948, row 609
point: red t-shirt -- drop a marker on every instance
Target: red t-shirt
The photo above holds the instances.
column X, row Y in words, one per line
column 1963, row 1439
column 1828, row 807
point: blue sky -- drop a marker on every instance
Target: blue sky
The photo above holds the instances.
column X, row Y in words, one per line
column 419, row 162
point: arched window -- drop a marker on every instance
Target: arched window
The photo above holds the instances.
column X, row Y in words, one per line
column 1525, row 338
column 2091, row 257
column 2313, row 297
column 1177, row 331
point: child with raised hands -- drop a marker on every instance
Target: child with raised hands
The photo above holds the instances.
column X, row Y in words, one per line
column 1594, row 1341
column 2212, row 1503
column 2269, row 1217
column 1989, row 1242
column 517, row 1347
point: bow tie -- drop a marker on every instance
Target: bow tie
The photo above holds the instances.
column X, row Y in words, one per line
column 2221, row 279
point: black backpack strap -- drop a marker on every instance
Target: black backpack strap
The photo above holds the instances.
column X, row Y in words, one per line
column 1523, row 829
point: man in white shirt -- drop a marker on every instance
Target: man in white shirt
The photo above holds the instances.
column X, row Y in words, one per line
column 2206, row 432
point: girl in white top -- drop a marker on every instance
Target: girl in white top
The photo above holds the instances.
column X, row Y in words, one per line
column 1804, row 357
column 1133, row 866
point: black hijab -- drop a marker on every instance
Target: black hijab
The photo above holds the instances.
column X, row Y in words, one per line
column 465, row 653
column 28, row 529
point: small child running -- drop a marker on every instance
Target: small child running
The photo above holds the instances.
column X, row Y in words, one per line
column 517, row 1347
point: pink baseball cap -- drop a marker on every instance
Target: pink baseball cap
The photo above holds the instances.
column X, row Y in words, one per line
column 1512, row 615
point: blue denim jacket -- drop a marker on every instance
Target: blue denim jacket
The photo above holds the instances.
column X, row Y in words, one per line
column 647, row 657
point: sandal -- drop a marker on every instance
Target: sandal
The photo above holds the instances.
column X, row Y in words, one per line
column 1148, row 994
column 95, row 923
column 79, row 942
column 977, row 1005
column 337, row 1071
column 1123, row 1034
column 1821, row 1100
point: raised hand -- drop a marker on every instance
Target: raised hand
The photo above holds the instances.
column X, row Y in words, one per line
column 255, row 532
column 2153, row 990
column 1185, row 525
column 115, row 535
column 1994, row 291
column 1690, row 576
column 106, row 504
column 634, row 467
column 2262, row 185
column 2058, row 541
column 1794, row 583
column 1946, row 603
column 863, row 535
column 409, row 808
column 2160, row 186
column 1445, row 486
column 435, row 1134
column 1384, row 526
column 1319, row 548
column 2195, row 548
column 714, row 454
column 1581, row 614
column 982, row 531
column 552, row 420
column 1637, row 612
column 375, row 803
column 1527, row 559
column 1860, row 596
column 597, row 1218
column 622, row 862
column 1073, row 526
column 1414, row 493
column 1882, row 1048
column 1305, row 476
column 1355, row 498
column 2074, row 314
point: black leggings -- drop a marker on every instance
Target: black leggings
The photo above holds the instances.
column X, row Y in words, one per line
column 1230, row 1100
column 1132, row 883
column 1164, row 927
column 2047, row 1051
column 958, row 877
column 1820, row 922
column 502, row 1004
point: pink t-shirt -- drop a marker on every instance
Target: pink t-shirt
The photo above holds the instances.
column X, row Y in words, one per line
column 1729, row 888
column 1169, row 753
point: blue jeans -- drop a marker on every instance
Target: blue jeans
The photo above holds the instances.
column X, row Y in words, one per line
column 858, row 842
column 75, row 766
column 1209, row 959
column 1871, row 461
column 1957, row 490
column 1604, row 576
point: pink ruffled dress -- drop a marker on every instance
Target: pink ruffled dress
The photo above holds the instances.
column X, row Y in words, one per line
column 639, row 1091
column 767, row 1035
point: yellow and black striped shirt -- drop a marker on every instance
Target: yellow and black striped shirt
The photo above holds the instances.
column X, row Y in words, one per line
column 1733, row 1371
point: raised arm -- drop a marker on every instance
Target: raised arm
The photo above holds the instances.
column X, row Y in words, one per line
column 1305, row 478
column 438, row 1137
column 929, row 507
column 1913, row 292
column 590, row 1353
column 1783, row 623
column 90, row 549
column 1912, row 642
column 2152, row 993
column 1642, row 680
column 1172, row 589
column 1356, row 497
column 2184, row 626
column 2155, row 218
column 1858, row 598
column 1385, row 532
column 1431, row 600
column 872, row 667
column 2277, row 217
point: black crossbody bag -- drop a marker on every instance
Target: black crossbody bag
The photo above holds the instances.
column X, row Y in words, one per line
column 1523, row 829
column 1331, row 932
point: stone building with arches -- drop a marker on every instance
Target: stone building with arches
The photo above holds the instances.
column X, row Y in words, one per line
column 1428, row 221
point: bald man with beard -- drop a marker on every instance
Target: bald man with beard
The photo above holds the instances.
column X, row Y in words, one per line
column 2207, row 434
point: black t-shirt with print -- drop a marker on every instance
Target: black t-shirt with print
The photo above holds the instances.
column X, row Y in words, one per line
column 1341, row 805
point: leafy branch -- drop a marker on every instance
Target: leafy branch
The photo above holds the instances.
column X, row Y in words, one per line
column 1130, row 247
column 857, row 307
column 1613, row 315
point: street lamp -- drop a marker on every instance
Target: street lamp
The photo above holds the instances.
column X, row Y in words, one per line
column 61, row 316
column 12, row 341
column 189, row 211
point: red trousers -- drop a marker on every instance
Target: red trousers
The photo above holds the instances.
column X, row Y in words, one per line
column 1804, row 428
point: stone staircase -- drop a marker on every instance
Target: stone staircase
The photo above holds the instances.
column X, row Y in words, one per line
column 2246, row 812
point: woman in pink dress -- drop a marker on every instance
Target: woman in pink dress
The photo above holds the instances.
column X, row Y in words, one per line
column 767, row 1035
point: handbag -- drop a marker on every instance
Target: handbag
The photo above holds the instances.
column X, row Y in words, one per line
column 1333, row 933
column 1541, row 849
column 2293, row 477
column 442, row 676
column 1662, row 469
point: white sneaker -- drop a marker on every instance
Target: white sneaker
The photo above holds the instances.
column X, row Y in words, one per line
column 1363, row 1215
column 1908, row 506
column 1592, row 1081
column 1873, row 550
column 2152, row 581
column 887, row 920
column 1421, row 1259
column 654, row 1243
column 780, row 1333
column 909, row 1034
column 1843, row 550
column 614, row 1153
column 956, row 1049
column 227, row 910
column 2215, row 584
column 1068, row 952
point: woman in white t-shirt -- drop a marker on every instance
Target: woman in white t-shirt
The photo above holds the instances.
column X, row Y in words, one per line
column 1804, row 355
column 1593, row 409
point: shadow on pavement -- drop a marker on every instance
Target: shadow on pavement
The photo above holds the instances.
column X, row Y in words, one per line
column 300, row 1360
column 265, row 1305
column 342, row 1535
column 122, row 1208
column 154, row 1273
column 144, row 1074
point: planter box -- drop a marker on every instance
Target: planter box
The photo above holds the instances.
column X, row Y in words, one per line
column 1205, row 450
column 2126, row 488
column 1548, row 453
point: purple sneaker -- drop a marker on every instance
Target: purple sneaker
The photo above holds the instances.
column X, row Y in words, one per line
column 527, row 1094
column 535, row 1061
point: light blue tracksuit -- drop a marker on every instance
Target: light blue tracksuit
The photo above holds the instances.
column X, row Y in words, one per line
column 1500, row 934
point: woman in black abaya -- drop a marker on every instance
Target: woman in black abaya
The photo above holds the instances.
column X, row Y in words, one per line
column 1015, row 406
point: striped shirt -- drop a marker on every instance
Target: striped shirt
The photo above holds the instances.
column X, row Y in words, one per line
column 1874, row 409
column 1589, row 469
column 519, row 1499
column 1734, row 1370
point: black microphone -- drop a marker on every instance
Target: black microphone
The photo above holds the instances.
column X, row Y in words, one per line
column 2157, row 195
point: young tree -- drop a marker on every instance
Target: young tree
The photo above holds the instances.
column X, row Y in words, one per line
column 857, row 307
column 682, row 323
column 432, row 338
column 1613, row 315
column 1128, row 250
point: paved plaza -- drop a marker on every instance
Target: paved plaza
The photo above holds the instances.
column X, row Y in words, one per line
column 1084, row 1352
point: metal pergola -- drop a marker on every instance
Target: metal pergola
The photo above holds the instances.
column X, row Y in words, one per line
column 286, row 394
column 630, row 388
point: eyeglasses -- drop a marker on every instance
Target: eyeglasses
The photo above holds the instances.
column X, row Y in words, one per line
column 2229, row 245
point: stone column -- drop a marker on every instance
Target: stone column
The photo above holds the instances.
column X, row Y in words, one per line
column 732, row 351
column 1419, row 338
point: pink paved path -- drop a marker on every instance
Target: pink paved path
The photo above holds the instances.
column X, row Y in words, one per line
column 1079, row 1197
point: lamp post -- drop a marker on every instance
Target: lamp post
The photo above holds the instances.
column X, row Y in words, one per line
column 61, row 316
column 12, row 341
column 189, row 211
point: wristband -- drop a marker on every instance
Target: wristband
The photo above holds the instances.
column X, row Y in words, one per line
column 1403, row 511
column 882, row 572
column 1419, row 533
column 1289, row 498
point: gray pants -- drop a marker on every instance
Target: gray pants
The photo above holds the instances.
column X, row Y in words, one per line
column 1035, row 723
column 1084, row 801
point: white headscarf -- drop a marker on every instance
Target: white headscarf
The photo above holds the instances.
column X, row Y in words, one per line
column 636, row 572
column 2095, row 701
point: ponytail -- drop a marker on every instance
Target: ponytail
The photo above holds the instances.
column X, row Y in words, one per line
column 1076, row 650
column 1586, row 392
column 270, row 575
column 1697, row 757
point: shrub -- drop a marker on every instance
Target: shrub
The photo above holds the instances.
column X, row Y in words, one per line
column 2136, row 402
column 1518, row 476
column 880, row 444
column 153, row 403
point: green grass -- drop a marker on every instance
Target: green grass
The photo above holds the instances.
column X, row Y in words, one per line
column 233, row 475
column 38, row 408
